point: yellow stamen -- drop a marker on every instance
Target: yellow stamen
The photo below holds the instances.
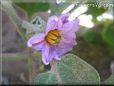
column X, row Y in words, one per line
column 53, row 37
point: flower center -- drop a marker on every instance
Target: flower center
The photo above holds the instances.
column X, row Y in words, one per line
column 53, row 37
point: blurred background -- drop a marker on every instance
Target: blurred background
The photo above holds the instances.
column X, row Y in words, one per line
column 95, row 38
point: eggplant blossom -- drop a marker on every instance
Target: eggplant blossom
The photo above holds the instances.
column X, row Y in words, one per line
column 58, row 38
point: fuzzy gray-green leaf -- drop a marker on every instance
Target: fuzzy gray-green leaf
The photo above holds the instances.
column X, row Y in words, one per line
column 71, row 70
column 110, row 80
column 46, row 78
column 74, row 70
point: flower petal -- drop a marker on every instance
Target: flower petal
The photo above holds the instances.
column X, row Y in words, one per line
column 62, row 51
column 67, row 43
column 59, row 24
column 64, row 48
column 52, row 23
column 64, row 18
column 70, row 34
column 48, row 54
column 71, row 26
column 36, row 42
column 45, row 57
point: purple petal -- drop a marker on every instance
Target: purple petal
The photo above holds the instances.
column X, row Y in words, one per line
column 36, row 41
column 62, row 51
column 65, row 46
column 64, row 18
column 52, row 23
column 69, row 34
column 69, row 37
column 69, row 41
column 45, row 57
column 48, row 54
column 59, row 24
column 71, row 26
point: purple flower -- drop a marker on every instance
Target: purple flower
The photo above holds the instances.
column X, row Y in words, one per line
column 58, row 38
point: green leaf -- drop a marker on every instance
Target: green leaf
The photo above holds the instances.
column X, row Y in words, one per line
column 110, row 80
column 72, row 70
column 32, row 7
column 46, row 78
column 38, row 24
column 108, row 34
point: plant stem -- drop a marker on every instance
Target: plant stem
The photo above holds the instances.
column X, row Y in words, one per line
column 55, row 70
column 13, row 56
column 20, row 23
column 33, row 63
column 112, row 69
column 8, row 8
column 30, row 67
column 10, row 11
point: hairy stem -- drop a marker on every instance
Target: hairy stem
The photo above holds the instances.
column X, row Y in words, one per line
column 55, row 70
column 9, row 10
column 13, row 56
column 6, row 6
column 112, row 69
